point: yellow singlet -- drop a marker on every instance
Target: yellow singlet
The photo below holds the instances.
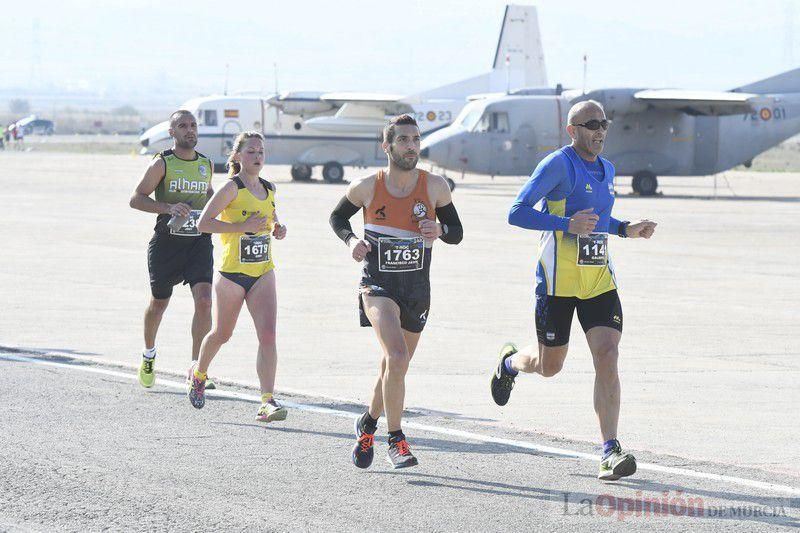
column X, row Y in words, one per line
column 242, row 253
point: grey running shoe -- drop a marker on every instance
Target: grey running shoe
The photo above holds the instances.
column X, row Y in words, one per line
column 399, row 455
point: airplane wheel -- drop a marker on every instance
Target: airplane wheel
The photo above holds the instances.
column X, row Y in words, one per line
column 645, row 183
column 450, row 183
column 333, row 172
column 301, row 172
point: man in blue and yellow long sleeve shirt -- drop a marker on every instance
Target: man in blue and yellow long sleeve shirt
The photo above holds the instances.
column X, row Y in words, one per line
column 569, row 199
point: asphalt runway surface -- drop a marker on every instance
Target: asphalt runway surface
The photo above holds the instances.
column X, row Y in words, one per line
column 86, row 448
column 710, row 358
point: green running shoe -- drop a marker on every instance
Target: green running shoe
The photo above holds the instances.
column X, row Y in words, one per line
column 617, row 464
column 147, row 373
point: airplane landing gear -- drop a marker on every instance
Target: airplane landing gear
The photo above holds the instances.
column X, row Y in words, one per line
column 645, row 183
column 301, row 172
column 333, row 172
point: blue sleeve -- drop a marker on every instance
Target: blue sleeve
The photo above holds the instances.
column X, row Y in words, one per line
column 550, row 180
column 613, row 226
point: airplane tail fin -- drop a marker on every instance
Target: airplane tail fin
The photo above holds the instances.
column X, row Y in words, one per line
column 518, row 60
column 787, row 82
column 520, row 45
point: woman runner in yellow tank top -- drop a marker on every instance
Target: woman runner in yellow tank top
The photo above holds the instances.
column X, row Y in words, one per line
column 243, row 213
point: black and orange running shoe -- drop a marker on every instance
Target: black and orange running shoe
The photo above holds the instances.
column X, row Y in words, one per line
column 399, row 455
column 363, row 451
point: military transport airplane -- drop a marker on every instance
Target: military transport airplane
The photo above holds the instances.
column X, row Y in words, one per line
column 655, row 132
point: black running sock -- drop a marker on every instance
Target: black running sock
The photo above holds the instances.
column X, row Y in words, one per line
column 368, row 424
column 395, row 436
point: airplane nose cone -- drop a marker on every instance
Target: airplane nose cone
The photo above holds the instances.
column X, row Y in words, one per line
column 433, row 148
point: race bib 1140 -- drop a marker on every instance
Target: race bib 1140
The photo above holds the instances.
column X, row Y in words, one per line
column 593, row 250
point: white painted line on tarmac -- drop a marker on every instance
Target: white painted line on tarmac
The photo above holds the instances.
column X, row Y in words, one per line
column 653, row 467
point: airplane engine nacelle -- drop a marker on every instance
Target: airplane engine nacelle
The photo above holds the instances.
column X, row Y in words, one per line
column 616, row 101
column 300, row 103
column 305, row 108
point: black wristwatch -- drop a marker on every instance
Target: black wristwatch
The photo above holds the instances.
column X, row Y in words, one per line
column 623, row 229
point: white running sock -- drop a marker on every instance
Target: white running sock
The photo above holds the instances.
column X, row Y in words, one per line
column 149, row 354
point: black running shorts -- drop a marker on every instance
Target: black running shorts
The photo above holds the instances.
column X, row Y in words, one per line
column 414, row 305
column 554, row 315
column 173, row 259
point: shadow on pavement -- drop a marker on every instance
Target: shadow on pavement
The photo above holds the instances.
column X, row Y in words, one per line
column 647, row 501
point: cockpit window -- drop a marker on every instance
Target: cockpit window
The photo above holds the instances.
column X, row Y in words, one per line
column 469, row 120
column 493, row 122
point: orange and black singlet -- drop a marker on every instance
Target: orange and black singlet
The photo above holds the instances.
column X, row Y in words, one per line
column 400, row 257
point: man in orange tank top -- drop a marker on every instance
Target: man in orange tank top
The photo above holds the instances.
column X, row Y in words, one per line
column 400, row 205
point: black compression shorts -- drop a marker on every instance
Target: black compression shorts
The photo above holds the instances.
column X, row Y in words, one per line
column 554, row 315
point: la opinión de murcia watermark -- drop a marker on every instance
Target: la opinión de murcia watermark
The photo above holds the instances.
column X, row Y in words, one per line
column 668, row 503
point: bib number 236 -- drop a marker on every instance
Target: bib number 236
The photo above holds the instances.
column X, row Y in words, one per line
column 189, row 228
column 400, row 255
column 254, row 249
column 593, row 249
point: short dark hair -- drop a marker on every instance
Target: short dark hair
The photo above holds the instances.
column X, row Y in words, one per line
column 177, row 115
column 400, row 120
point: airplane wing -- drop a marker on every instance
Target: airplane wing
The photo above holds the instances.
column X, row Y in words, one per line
column 358, row 112
column 308, row 103
column 382, row 104
column 700, row 102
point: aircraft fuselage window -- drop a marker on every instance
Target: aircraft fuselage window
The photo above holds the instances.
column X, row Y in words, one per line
column 493, row 122
column 210, row 117
column 501, row 122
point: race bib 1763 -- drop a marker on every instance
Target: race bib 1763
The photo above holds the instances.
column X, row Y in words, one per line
column 400, row 254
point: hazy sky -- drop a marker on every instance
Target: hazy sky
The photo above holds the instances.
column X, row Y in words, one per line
column 145, row 48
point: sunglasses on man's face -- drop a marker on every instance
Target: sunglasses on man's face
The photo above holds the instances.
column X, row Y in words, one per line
column 595, row 124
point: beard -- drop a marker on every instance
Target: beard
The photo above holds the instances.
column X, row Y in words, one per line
column 401, row 162
column 186, row 145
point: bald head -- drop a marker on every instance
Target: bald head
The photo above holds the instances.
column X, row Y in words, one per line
column 582, row 111
column 587, row 142
column 177, row 116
